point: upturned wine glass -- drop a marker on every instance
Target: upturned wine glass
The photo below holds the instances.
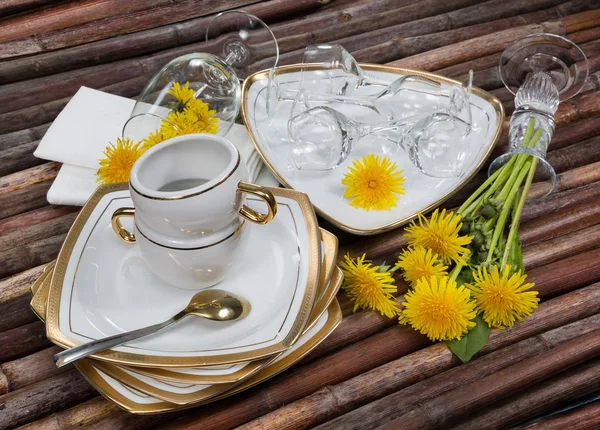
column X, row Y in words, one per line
column 240, row 39
column 542, row 70
column 321, row 138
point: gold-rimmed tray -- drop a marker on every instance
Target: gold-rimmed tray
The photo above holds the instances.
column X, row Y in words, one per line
column 294, row 234
column 325, row 190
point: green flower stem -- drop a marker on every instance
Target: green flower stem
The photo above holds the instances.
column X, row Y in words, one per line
column 457, row 269
column 479, row 190
column 506, row 208
column 517, row 212
column 499, row 177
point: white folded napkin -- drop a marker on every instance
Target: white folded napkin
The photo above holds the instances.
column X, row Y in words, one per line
column 80, row 133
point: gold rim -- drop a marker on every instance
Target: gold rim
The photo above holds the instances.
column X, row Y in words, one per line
column 314, row 266
column 496, row 104
column 187, row 196
column 87, row 369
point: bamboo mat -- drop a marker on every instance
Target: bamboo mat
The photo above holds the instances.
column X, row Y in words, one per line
column 370, row 372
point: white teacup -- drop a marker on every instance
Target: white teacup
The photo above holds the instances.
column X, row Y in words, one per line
column 191, row 237
column 191, row 263
column 194, row 186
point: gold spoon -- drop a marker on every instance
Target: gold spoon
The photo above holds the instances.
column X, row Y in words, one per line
column 216, row 305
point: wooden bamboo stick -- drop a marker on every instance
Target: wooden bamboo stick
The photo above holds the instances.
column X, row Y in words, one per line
column 37, row 232
column 18, row 158
column 576, row 155
column 581, row 418
column 22, row 341
column 543, row 397
column 81, row 416
column 13, row 6
column 26, row 220
column 151, row 40
column 401, row 47
column 35, row 175
column 19, row 284
column 477, row 47
column 14, row 313
column 24, row 200
column 467, row 399
column 477, row 64
column 20, row 137
column 25, row 256
column 553, row 250
column 560, row 201
column 580, row 107
column 29, row 370
column 463, row 16
column 67, row 15
column 565, row 275
column 58, row 392
column 430, row 365
column 119, row 24
column 574, row 178
column 560, row 223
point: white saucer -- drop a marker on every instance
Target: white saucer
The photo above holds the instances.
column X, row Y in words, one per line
column 101, row 286
column 325, row 189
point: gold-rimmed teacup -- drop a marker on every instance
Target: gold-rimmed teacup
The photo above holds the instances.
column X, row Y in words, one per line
column 195, row 186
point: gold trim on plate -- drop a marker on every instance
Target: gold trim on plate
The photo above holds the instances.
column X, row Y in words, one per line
column 314, row 264
column 496, row 104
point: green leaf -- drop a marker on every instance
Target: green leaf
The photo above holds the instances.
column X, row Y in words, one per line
column 515, row 257
column 465, row 276
column 383, row 268
column 472, row 342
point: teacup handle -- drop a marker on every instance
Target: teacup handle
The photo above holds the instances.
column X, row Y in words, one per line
column 265, row 195
column 124, row 234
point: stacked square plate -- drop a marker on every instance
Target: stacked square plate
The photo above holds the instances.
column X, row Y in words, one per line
column 100, row 286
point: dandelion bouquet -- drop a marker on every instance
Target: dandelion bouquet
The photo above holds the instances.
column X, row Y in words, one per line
column 464, row 269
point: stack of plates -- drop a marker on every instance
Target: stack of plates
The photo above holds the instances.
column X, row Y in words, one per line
column 100, row 286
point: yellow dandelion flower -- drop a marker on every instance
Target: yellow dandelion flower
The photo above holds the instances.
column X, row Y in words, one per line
column 418, row 263
column 154, row 139
column 367, row 288
column 196, row 118
column 438, row 309
column 119, row 160
column 373, row 182
column 182, row 94
column 203, row 116
column 501, row 298
column 440, row 234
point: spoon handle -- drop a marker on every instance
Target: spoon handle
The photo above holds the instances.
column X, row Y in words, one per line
column 69, row 355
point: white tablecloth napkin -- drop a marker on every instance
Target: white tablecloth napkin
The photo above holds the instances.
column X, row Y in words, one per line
column 80, row 133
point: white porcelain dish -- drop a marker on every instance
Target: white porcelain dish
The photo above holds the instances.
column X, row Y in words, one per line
column 325, row 189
